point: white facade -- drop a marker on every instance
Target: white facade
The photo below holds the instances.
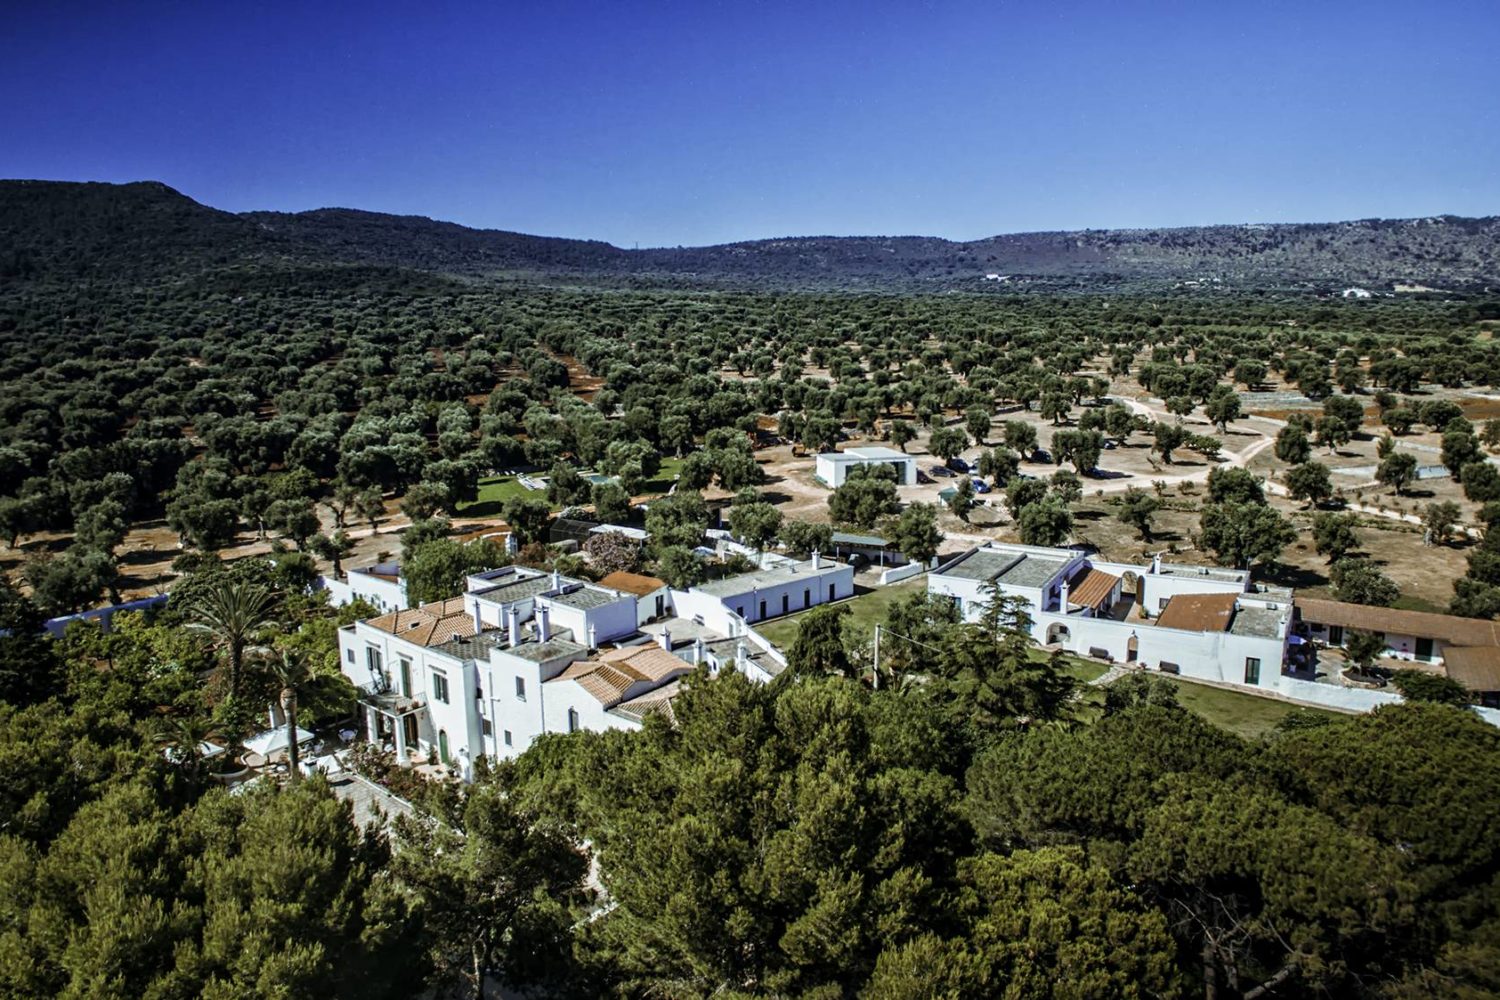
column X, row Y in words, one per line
column 653, row 598
column 381, row 585
column 524, row 653
column 1226, row 633
column 832, row 468
column 726, row 604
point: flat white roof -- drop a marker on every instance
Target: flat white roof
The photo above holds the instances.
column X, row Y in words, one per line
column 744, row 583
column 637, row 533
column 877, row 454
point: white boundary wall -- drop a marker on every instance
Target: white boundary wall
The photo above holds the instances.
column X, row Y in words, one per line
column 898, row 573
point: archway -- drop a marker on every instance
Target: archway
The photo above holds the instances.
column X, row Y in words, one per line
column 1134, row 585
column 1132, row 649
column 1058, row 633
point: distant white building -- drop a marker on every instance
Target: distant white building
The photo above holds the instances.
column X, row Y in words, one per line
column 1190, row 620
column 832, row 468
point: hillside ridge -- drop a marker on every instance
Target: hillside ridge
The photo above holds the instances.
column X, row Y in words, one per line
column 135, row 229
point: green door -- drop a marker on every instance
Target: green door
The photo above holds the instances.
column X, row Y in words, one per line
column 1424, row 650
column 443, row 745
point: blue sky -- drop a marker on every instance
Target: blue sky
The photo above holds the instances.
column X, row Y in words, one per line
column 688, row 123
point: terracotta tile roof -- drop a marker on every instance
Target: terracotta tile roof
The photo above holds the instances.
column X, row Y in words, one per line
column 608, row 684
column 656, row 702
column 655, row 663
column 1475, row 667
column 613, row 672
column 442, row 609
column 424, row 627
column 1199, row 612
column 1093, row 589
column 633, row 583
column 1451, row 629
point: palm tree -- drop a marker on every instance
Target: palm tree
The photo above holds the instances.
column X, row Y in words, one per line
column 185, row 735
column 293, row 672
column 232, row 611
column 306, row 684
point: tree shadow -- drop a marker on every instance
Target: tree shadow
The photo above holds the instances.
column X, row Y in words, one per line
column 1296, row 577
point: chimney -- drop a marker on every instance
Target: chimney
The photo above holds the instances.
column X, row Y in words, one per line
column 742, row 655
column 593, row 636
column 556, row 580
column 666, row 639
column 543, row 623
column 1064, row 607
column 1156, row 564
column 698, row 653
column 817, row 560
column 478, row 621
column 514, row 616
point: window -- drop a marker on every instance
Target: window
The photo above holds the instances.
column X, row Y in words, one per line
column 349, row 655
column 405, row 677
column 572, row 720
column 484, row 724
column 372, row 659
column 440, row 687
column 521, row 688
column 507, row 738
column 1252, row 670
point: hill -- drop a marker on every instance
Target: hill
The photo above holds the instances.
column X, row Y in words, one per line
column 134, row 231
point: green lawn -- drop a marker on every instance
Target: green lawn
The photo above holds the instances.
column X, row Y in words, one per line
column 1248, row 715
column 865, row 610
column 494, row 491
column 1084, row 670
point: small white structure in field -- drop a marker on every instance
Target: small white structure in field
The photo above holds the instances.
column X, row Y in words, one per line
column 833, row 467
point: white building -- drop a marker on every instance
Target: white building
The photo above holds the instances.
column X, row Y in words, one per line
column 833, row 467
column 727, row 605
column 653, row 598
column 381, row 585
column 524, row 653
column 1190, row 620
column 1409, row 635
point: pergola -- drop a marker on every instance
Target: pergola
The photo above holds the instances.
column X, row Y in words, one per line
column 386, row 713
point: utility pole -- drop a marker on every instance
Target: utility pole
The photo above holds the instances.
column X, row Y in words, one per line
column 877, row 656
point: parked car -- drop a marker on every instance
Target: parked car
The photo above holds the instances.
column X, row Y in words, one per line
column 938, row 472
column 958, row 465
column 980, row 486
column 1041, row 455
